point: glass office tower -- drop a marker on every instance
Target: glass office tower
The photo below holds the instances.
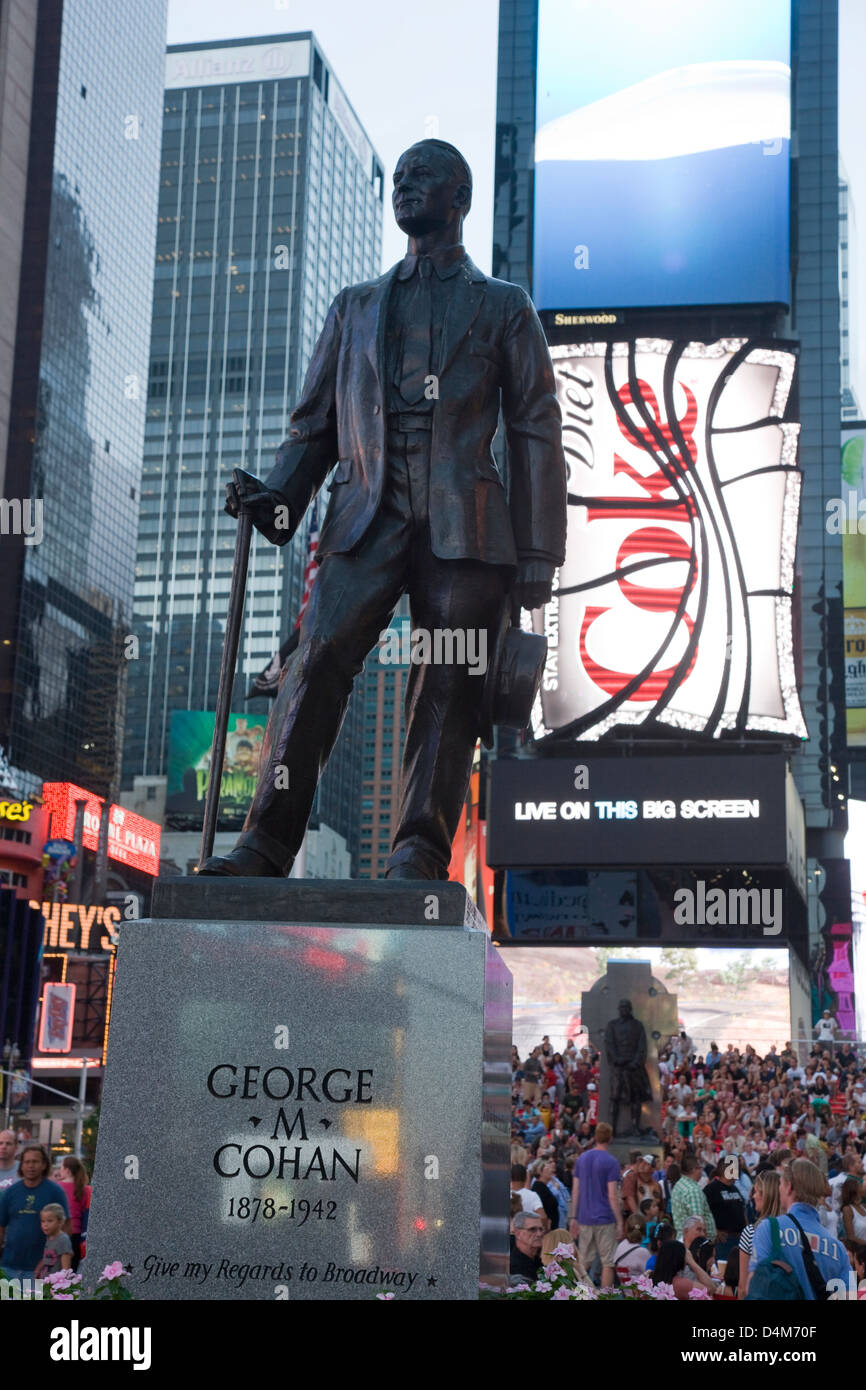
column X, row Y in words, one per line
column 76, row 421
column 270, row 202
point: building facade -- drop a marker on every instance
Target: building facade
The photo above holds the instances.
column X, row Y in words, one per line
column 76, row 406
column 811, row 321
column 270, row 202
column 384, row 696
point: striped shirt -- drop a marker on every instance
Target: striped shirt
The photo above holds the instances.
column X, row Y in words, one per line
column 688, row 1200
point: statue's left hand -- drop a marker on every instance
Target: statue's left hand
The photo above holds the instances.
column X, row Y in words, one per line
column 534, row 583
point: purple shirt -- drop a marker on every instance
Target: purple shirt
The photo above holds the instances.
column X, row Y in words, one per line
column 594, row 1170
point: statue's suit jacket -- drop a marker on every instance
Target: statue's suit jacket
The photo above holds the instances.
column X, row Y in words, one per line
column 491, row 340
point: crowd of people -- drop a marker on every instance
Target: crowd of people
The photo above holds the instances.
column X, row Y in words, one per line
column 755, row 1155
column 43, row 1209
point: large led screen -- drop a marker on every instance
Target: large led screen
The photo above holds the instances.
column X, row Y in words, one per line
column 674, row 604
column 662, row 153
column 846, row 516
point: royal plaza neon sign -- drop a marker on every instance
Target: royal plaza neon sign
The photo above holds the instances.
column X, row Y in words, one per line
column 673, row 606
column 132, row 839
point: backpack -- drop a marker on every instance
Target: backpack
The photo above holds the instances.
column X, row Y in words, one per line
column 772, row 1279
column 813, row 1274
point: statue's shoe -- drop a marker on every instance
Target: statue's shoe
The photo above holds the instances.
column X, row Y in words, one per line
column 240, row 863
column 411, row 869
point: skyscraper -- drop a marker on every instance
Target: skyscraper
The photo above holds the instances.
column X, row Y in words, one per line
column 848, row 339
column 270, row 202
column 76, row 406
column 384, row 731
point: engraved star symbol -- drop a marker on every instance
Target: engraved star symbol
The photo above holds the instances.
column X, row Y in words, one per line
column 326, row 1124
column 431, row 1282
column 255, row 1121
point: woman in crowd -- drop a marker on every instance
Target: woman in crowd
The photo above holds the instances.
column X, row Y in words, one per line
column 857, row 1255
column 664, row 1233
column 630, row 1256
column 541, row 1171
column 563, row 1237
column 670, row 1268
column 852, row 1210
column 73, row 1180
column 765, row 1196
column 548, row 1177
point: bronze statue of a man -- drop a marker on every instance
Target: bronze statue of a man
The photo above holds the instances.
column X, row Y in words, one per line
column 625, row 1048
column 403, row 395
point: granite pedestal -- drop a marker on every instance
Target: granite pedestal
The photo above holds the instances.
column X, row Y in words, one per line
column 307, row 1095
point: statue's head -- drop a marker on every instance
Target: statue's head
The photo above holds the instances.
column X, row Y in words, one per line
column 625, row 1010
column 432, row 188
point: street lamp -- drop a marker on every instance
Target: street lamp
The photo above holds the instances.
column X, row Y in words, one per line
column 11, row 1054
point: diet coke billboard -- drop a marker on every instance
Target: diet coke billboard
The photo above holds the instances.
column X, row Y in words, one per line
column 673, row 606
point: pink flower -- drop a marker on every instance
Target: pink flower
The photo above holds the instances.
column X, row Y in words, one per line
column 384, row 1297
column 563, row 1251
column 113, row 1271
column 700, row 1295
column 542, row 1286
column 554, row 1270
column 563, row 1293
column 63, row 1297
column 518, row 1288
column 664, row 1293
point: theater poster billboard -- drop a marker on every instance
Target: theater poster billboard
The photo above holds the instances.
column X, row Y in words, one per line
column 848, row 518
column 674, row 604
column 189, row 750
column 662, row 153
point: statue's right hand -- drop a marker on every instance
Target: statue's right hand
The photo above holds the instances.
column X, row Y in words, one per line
column 268, row 511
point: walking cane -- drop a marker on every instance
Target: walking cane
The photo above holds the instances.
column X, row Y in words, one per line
column 227, row 675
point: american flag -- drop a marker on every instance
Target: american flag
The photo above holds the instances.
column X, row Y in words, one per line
column 267, row 681
column 310, row 571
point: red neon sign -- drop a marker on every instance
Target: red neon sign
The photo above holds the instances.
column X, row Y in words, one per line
column 132, row 839
column 58, row 1011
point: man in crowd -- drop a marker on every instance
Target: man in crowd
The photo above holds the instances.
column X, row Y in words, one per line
column 532, row 1070
column 851, row 1168
column 21, row 1235
column 8, row 1163
column 687, row 1199
column 529, row 1200
column 727, row 1206
column 595, row 1213
column 528, row 1233
column 802, row 1188
column 826, row 1028
column 639, row 1183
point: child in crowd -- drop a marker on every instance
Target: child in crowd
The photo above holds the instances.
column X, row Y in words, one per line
column 651, row 1211
column 57, row 1253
